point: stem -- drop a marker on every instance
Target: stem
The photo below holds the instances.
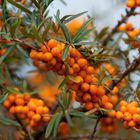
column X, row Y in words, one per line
column 122, row 20
column 95, row 128
column 129, row 69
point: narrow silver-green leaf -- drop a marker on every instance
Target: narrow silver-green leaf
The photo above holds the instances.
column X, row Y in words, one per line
column 20, row 6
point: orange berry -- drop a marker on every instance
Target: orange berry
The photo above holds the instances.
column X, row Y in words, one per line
column 113, row 99
column 125, row 124
column 86, row 97
column 55, row 52
column 25, row 109
column 123, row 103
column 36, row 117
column 119, row 115
column 20, row 96
column 46, row 118
column 138, row 110
column 27, row 96
column 121, row 28
column 52, row 43
column 39, row 55
column 101, row 90
column 123, row 109
column 90, row 70
column 11, row 98
column 85, row 87
column 40, row 110
column 136, row 117
column 88, row 106
column 127, row 116
column 104, row 99
column 94, row 80
column 33, row 54
column 88, row 79
column 71, row 61
column 30, row 114
column 70, row 71
column 93, row 89
column 131, row 109
column 108, row 105
column 76, row 67
column 82, row 73
column 12, row 110
column 115, row 90
column 32, row 106
column 82, row 62
column 138, row 2
column 40, row 103
column 46, row 110
column 131, row 123
column 18, row 109
column 47, row 56
column 128, row 25
column 130, row 3
column 73, row 52
column 53, row 62
column 6, row 103
column 134, row 103
column 112, row 113
column 19, row 101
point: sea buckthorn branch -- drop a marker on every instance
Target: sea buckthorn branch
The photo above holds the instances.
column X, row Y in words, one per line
column 129, row 13
column 129, row 69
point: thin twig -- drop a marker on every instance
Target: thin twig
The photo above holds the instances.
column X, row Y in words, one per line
column 122, row 75
column 95, row 128
column 124, row 18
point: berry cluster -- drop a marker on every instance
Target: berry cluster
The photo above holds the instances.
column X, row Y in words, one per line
column 50, row 58
column 131, row 31
column 129, row 113
column 31, row 111
column 132, row 3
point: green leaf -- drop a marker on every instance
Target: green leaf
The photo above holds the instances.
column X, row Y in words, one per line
column 102, row 33
column 8, row 121
column 20, row 7
column 68, row 118
column 13, row 90
column 82, row 28
column 35, row 3
column 2, row 58
column 35, row 33
column 64, row 29
column 57, row 121
column 92, row 116
column 69, row 99
column 69, row 18
column 13, row 28
column 22, row 51
column 90, row 43
column 63, row 82
column 83, row 35
column 75, row 79
column 4, row 14
column 43, row 22
column 60, row 102
column 65, row 53
column 77, row 114
column 3, row 97
column 50, row 126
